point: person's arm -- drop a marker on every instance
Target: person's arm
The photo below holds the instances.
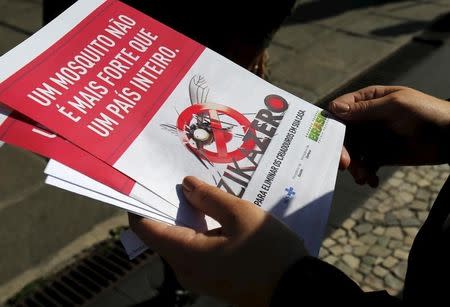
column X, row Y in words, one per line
column 313, row 282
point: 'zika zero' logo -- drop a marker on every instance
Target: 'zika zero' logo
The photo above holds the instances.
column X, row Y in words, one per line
column 203, row 126
column 217, row 134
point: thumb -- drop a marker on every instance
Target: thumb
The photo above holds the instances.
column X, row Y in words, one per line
column 363, row 110
column 212, row 201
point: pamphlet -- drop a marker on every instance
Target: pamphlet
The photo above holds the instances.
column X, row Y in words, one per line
column 148, row 106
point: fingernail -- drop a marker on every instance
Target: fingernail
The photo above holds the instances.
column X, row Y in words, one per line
column 340, row 107
column 189, row 183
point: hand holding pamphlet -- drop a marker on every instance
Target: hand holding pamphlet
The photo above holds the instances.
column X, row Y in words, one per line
column 126, row 107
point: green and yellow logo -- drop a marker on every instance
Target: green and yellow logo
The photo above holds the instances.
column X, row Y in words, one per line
column 317, row 126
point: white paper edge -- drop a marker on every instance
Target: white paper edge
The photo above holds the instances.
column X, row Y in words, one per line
column 65, row 173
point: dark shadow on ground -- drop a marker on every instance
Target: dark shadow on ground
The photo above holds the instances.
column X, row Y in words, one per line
column 400, row 29
column 322, row 9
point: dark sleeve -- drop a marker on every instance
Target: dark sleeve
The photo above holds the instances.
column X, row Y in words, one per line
column 312, row 282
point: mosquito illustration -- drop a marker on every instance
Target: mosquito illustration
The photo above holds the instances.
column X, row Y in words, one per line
column 201, row 131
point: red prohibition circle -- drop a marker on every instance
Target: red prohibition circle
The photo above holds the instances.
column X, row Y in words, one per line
column 212, row 111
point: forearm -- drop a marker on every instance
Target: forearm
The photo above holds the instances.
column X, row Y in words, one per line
column 312, row 282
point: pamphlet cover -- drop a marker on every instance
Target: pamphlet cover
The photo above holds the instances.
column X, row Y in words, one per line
column 158, row 106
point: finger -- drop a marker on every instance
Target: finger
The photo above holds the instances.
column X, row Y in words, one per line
column 218, row 204
column 344, row 161
column 368, row 93
column 161, row 237
column 373, row 109
column 376, row 91
column 371, row 103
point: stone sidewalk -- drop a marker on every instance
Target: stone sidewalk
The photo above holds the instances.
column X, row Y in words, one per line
column 324, row 45
column 372, row 245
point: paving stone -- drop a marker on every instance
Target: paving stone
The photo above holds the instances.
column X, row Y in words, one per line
column 390, row 262
column 422, row 216
column 323, row 253
column 391, row 220
column 374, row 282
column 298, row 38
column 348, row 224
column 400, row 269
column 373, row 217
column 379, row 260
column 394, row 244
column 423, row 183
column 403, row 213
column 367, row 288
column 408, row 241
column 351, row 234
column 379, row 251
column 330, row 259
column 379, row 231
column 411, row 231
column 383, row 241
column 394, row 232
column 384, row 207
column 401, row 254
column 363, row 228
column 419, row 205
column 368, row 239
column 410, row 222
column 357, row 277
column 360, row 250
column 365, row 268
column 436, row 187
column 336, row 250
column 357, row 214
column 395, row 182
column 348, row 249
column 380, row 194
column 432, row 199
column 344, row 268
column 396, row 204
column 380, row 272
column 338, row 233
column 399, row 174
column 369, row 260
column 423, row 194
column 352, row 261
column 430, row 174
column 412, row 177
column 371, row 204
column 343, row 240
column 393, row 282
column 405, row 197
column 355, row 242
column 328, row 242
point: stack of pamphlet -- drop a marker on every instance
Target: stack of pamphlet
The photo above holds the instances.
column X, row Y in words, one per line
column 125, row 107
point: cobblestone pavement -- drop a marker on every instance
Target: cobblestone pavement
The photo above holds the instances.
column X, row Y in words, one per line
column 372, row 245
